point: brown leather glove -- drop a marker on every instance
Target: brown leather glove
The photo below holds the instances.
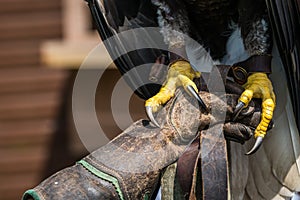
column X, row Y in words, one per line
column 129, row 166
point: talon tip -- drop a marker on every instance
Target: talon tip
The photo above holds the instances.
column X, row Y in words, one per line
column 151, row 117
column 196, row 95
column 256, row 146
column 239, row 107
column 271, row 125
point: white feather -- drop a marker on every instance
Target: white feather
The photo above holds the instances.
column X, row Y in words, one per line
column 201, row 60
column 235, row 49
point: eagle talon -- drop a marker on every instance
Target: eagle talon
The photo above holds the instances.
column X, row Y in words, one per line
column 258, row 142
column 239, row 107
column 150, row 116
column 193, row 93
column 180, row 74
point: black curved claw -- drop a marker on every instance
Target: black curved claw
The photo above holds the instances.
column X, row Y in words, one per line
column 196, row 95
column 150, row 116
column 256, row 146
column 239, row 107
column 271, row 125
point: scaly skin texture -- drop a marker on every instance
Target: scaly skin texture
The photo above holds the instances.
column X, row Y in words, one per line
column 259, row 86
column 180, row 74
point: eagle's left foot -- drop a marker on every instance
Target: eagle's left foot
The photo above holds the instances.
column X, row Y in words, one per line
column 258, row 86
column 180, row 74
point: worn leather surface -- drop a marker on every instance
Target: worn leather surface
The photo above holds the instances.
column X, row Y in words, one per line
column 138, row 155
column 213, row 166
column 203, row 169
column 75, row 183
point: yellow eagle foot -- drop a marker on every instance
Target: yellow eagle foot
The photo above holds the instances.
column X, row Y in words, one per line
column 258, row 85
column 180, row 74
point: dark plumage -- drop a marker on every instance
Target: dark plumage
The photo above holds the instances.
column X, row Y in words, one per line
column 208, row 22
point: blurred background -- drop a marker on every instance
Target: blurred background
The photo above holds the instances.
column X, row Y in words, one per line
column 42, row 44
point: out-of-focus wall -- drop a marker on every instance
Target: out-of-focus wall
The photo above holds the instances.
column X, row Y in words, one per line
column 29, row 92
column 37, row 133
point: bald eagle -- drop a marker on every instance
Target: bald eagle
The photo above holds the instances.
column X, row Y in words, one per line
column 257, row 37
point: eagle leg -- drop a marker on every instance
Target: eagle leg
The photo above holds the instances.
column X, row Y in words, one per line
column 258, row 86
column 180, row 73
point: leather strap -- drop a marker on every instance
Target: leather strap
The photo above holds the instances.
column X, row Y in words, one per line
column 257, row 63
column 214, row 166
column 208, row 80
column 186, row 166
column 202, row 170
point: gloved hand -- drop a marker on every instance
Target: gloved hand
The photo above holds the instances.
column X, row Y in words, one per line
column 129, row 166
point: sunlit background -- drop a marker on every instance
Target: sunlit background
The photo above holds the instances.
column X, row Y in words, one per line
column 42, row 44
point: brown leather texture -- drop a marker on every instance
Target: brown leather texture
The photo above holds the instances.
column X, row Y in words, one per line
column 74, row 183
column 203, row 169
column 137, row 157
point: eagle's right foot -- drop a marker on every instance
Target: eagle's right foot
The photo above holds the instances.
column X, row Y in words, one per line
column 180, row 74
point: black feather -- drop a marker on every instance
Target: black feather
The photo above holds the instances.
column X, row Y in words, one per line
column 284, row 16
column 138, row 14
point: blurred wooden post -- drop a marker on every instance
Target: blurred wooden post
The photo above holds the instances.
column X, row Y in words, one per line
column 29, row 92
column 68, row 53
column 74, row 20
column 78, row 40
